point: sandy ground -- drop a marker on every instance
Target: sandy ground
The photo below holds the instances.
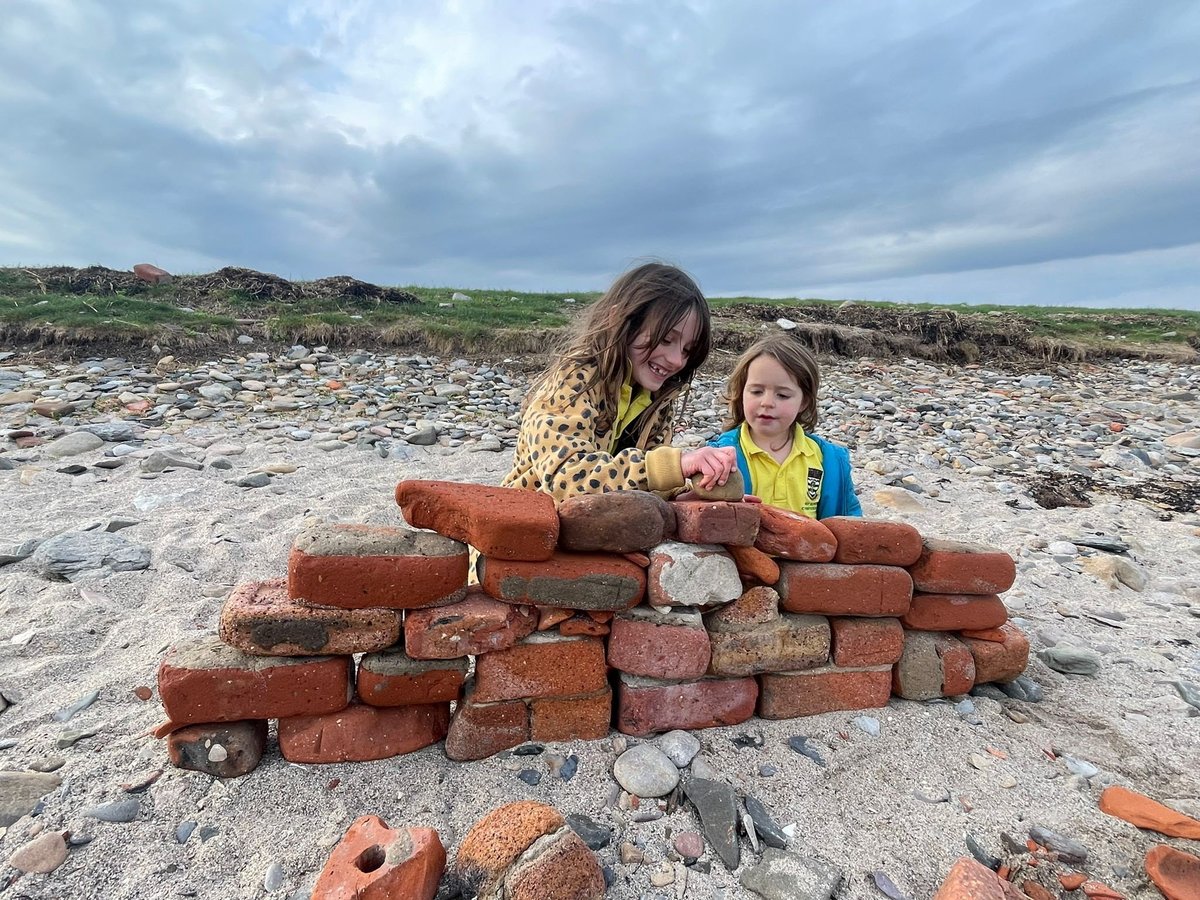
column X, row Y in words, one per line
column 60, row 641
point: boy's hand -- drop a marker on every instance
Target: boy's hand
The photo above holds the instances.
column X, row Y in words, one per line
column 708, row 466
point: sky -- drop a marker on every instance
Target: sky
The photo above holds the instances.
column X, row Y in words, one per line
column 1031, row 152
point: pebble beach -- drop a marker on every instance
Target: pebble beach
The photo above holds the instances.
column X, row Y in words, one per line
column 137, row 494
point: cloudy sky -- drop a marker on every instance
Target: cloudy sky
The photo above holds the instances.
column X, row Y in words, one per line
column 1019, row 152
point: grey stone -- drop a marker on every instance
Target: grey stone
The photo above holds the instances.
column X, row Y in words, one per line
column 716, row 804
column 73, row 444
column 1069, row 850
column 423, row 437
column 1023, row 688
column 74, row 552
column 20, row 793
column 116, row 811
column 646, row 771
column 789, row 876
column 254, row 480
column 680, row 747
column 770, row 833
column 12, row 553
column 114, row 432
column 1189, row 692
column 65, row 715
column 160, row 461
column 1071, row 660
column 595, row 835
column 273, row 879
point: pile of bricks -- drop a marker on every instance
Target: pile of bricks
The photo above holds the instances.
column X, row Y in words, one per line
column 616, row 608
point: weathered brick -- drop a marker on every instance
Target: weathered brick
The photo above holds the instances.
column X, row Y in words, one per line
column 934, row 664
column 260, row 617
column 859, row 642
column 542, row 665
column 648, row 706
column 581, row 624
column 695, row 575
column 587, row 717
column 364, row 566
column 999, row 661
column 374, row 862
column 480, row 730
column 706, row 522
column 969, row 880
column 954, row 612
column 756, row 606
column 360, row 733
column 790, row 535
column 614, row 522
column 220, row 749
column 503, row 523
column 562, row 867
column 754, row 566
column 567, row 580
column 787, row 644
column 478, row 624
column 393, row 678
column 874, row 541
column 836, row 590
column 955, row 567
column 208, row 681
column 789, row 695
column 654, row 643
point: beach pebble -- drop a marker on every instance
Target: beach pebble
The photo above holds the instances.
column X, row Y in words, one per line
column 688, row 844
column 645, row 771
column 1068, row 849
column 595, row 835
column 680, row 747
column 42, row 855
column 73, row 552
column 782, row 875
column 1071, row 660
column 764, row 824
column 115, row 811
column 273, row 879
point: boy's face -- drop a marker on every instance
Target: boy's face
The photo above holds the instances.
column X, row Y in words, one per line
column 771, row 400
column 652, row 366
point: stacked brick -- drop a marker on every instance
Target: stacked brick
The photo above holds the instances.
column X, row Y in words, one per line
column 611, row 609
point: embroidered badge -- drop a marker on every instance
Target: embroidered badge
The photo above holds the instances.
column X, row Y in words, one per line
column 814, row 483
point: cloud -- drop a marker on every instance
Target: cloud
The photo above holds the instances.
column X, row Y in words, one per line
column 974, row 146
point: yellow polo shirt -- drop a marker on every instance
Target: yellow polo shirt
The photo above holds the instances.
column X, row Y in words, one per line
column 796, row 483
column 629, row 407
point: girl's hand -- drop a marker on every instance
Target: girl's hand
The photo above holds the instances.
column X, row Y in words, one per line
column 708, row 466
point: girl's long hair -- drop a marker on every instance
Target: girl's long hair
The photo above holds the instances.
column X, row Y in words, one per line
column 655, row 297
column 795, row 358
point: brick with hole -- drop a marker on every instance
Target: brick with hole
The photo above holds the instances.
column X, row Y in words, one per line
column 206, row 680
column 954, row 612
column 700, row 576
column 790, row 535
column 259, row 617
column 375, row 862
column 542, row 665
column 584, row 581
column 833, row 589
column 615, row 522
column 587, row 717
column 219, row 749
column 999, row 661
column 934, row 664
column 650, row 706
column 957, row 567
column 503, row 523
column 709, row 522
column 393, row 678
column 666, row 643
column 360, row 733
column 479, row 730
column 375, row 566
column 860, row 641
column 874, row 541
column 477, row 624
column 789, row 695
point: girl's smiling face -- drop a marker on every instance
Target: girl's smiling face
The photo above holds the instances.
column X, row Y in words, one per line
column 652, row 366
column 771, row 399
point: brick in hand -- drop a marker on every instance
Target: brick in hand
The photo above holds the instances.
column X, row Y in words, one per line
column 956, row 567
column 363, row 566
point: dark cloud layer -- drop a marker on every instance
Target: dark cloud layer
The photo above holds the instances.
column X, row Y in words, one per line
column 1024, row 152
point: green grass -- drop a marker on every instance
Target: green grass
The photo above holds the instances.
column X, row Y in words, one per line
column 113, row 313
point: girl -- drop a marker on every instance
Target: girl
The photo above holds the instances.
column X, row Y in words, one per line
column 599, row 419
column 772, row 397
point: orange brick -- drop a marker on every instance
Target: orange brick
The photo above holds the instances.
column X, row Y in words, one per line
column 969, row 880
column 586, row 718
column 754, row 565
column 374, row 862
column 1002, row 661
column 792, row 536
column 954, row 612
column 788, row 695
column 393, row 678
column 569, row 580
column 479, row 730
column 478, row 624
column 542, row 665
column 360, row 733
column 716, row 522
column 934, row 664
column 832, row 589
column 861, row 642
column 955, row 567
column 875, row 541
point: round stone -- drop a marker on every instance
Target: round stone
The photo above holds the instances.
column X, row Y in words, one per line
column 646, row 771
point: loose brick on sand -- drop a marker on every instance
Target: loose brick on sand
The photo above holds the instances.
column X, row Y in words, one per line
column 586, row 581
column 955, row 567
column 220, row 749
column 833, row 589
column 360, row 733
column 874, row 541
column 648, row 706
column 374, row 862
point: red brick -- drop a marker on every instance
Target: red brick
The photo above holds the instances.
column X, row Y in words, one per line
column 568, row 580
column 581, row 624
column 563, row 866
column 792, row 536
column 209, row 681
column 789, row 695
column 587, row 717
column 874, row 541
column 393, row 678
column 836, row 590
column 374, row 862
column 647, row 706
column 1002, row 661
column 954, row 612
column 659, row 644
column 859, row 642
column 984, row 634
column 478, row 624
column 360, row 733
column 787, row 644
column 503, row 523
column 934, row 664
column 969, row 880
column 954, row 567
column 757, row 606
column 223, row 750
column 542, row 665
column 754, row 566
column 479, row 730
column 364, row 566
column 260, row 617
column 152, row 273
column 614, row 522
column 706, row 522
